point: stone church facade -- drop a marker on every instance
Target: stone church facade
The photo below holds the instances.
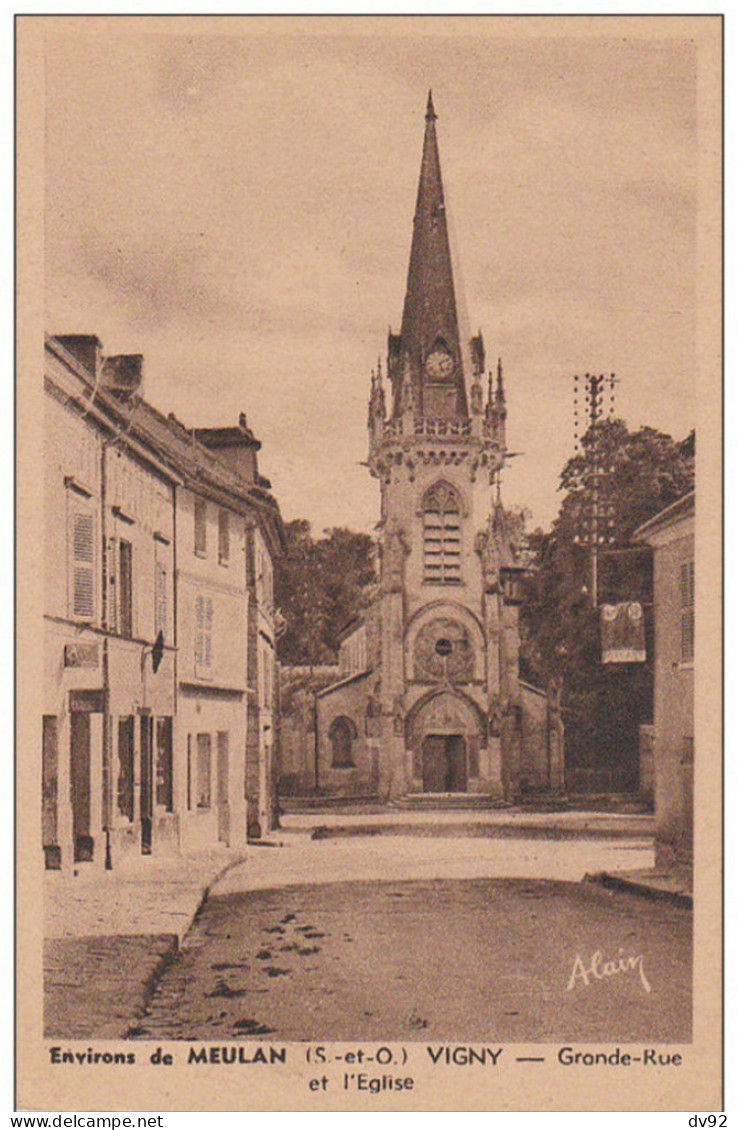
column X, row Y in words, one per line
column 427, row 698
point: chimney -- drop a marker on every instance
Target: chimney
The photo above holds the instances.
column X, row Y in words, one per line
column 234, row 446
column 85, row 348
column 122, row 375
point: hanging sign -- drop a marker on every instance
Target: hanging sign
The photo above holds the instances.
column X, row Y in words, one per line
column 622, row 633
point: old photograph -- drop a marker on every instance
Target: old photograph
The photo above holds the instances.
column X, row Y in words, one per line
column 369, row 751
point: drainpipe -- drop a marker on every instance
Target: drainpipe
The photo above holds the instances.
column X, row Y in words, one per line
column 107, row 767
column 316, row 731
column 176, row 807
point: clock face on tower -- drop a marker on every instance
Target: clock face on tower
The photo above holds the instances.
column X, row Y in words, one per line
column 439, row 365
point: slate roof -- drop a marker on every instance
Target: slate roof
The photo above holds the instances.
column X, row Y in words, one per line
column 171, row 443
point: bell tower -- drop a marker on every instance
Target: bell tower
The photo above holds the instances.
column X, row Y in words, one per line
column 449, row 692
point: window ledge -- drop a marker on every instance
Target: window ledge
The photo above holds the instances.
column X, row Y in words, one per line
column 123, row 516
column 79, row 487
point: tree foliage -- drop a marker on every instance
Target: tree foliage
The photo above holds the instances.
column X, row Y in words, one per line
column 320, row 585
column 634, row 475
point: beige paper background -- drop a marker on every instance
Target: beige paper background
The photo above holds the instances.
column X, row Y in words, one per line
column 696, row 1085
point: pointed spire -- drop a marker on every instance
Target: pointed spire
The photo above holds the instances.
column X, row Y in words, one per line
column 429, row 338
column 500, row 385
column 490, row 409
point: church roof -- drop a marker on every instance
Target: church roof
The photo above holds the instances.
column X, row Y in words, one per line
column 430, row 323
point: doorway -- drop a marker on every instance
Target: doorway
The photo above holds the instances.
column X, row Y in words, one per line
column 147, row 782
column 444, row 763
column 224, row 815
column 80, row 785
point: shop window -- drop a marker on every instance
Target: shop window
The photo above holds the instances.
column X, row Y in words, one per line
column 164, row 781
column 125, row 766
column 50, row 792
column 203, row 792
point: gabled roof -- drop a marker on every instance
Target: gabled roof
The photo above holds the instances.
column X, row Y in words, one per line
column 682, row 508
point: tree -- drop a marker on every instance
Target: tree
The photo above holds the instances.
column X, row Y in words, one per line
column 637, row 474
column 320, row 585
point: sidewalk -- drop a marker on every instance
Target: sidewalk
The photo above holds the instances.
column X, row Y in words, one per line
column 299, row 859
column 672, row 884
column 109, row 935
column 492, row 823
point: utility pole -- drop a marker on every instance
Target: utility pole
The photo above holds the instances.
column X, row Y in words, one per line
column 594, row 403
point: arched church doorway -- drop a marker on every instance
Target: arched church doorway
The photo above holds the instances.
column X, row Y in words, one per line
column 444, row 732
column 444, row 763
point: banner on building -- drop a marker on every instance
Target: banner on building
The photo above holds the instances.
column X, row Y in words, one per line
column 622, row 633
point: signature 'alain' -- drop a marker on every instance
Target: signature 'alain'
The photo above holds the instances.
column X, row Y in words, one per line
column 599, row 968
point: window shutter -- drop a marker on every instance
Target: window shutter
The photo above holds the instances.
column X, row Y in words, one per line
column 203, row 636
column 198, row 634
column 224, row 547
column 686, row 593
column 160, row 615
column 83, row 566
column 201, row 530
column 208, row 632
column 125, row 588
column 112, row 584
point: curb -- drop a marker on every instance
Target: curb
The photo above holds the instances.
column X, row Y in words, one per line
column 617, row 882
column 470, row 830
column 206, row 891
column 148, row 987
column 151, row 982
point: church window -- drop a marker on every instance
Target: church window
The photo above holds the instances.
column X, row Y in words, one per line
column 443, row 652
column 442, row 535
column 342, row 735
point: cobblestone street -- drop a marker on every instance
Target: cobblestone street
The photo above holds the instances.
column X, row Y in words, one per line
column 452, row 960
column 362, row 934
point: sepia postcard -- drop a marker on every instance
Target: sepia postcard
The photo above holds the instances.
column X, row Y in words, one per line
column 369, row 732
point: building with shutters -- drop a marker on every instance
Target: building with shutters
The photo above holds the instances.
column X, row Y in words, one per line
column 153, row 684
column 107, row 766
column 227, row 639
column 670, row 534
column 428, row 703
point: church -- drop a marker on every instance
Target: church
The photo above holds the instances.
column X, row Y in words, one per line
column 426, row 704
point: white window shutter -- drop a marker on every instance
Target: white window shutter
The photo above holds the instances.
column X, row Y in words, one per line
column 83, row 566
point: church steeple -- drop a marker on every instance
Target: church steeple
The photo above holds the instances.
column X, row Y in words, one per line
column 428, row 351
